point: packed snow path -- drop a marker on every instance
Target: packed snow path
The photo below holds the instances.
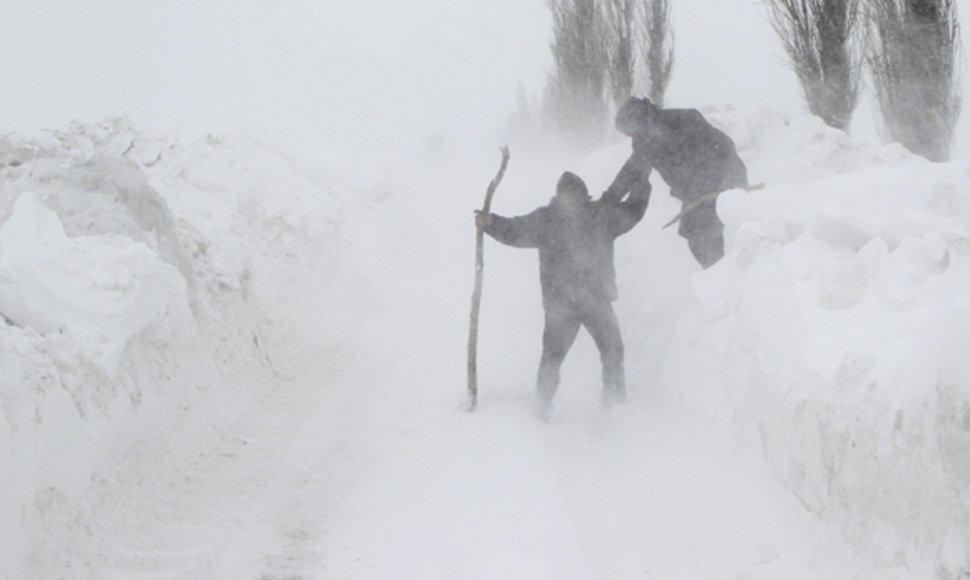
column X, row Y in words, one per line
column 362, row 465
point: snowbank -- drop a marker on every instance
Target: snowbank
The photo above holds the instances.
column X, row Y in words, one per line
column 148, row 282
column 96, row 292
column 834, row 335
column 145, row 282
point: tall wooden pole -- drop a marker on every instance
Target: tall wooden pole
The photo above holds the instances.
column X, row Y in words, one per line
column 477, row 293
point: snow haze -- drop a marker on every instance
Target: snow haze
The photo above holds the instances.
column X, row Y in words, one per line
column 234, row 308
column 352, row 76
column 343, row 78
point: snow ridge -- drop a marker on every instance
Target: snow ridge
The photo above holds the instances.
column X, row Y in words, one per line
column 134, row 295
column 837, row 329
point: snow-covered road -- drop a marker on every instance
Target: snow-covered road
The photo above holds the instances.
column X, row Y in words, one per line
column 359, row 463
column 308, row 422
column 316, row 481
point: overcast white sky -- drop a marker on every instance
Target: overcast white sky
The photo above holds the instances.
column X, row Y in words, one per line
column 326, row 75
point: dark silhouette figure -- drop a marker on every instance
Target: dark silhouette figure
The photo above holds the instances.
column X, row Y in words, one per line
column 575, row 236
column 696, row 160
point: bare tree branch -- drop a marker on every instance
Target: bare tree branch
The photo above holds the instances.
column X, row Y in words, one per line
column 620, row 22
column 576, row 93
column 656, row 48
column 913, row 48
column 818, row 36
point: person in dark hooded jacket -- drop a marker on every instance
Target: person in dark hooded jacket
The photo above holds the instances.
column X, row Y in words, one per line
column 574, row 236
column 696, row 160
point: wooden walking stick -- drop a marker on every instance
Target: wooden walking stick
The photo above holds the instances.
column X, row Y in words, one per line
column 477, row 293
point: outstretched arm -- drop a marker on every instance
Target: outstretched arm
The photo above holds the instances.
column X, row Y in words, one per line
column 520, row 232
column 637, row 168
column 623, row 181
column 623, row 215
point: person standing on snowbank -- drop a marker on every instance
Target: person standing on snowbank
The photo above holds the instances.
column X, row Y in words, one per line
column 574, row 236
column 696, row 160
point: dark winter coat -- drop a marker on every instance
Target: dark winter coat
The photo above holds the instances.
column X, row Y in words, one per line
column 575, row 247
column 692, row 156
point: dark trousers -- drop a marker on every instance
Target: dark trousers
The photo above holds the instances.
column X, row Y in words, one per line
column 562, row 325
column 704, row 232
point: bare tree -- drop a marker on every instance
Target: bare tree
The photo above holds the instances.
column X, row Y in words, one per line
column 576, row 94
column 818, row 37
column 621, row 23
column 913, row 47
column 656, row 48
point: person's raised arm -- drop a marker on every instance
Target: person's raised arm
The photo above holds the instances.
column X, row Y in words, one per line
column 521, row 232
column 623, row 215
column 636, row 168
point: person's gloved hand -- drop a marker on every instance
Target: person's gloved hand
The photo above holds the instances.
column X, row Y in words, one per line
column 611, row 197
column 482, row 220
